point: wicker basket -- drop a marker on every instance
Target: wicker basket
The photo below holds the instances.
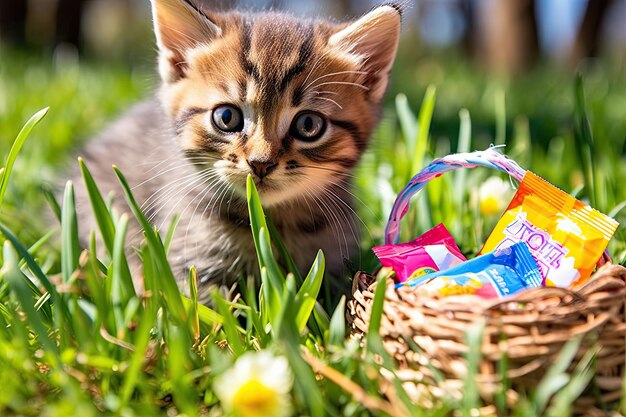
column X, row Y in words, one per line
column 426, row 335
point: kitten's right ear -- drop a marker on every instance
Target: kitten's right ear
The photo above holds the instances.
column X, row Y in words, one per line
column 179, row 25
column 372, row 41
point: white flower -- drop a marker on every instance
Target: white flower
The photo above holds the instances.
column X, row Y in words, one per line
column 258, row 385
column 494, row 196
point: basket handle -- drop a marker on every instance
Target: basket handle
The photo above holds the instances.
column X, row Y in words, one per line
column 489, row 158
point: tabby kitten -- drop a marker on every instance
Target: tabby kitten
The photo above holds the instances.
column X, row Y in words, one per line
column 290, row 101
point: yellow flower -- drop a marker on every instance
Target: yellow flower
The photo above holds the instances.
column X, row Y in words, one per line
column 258, row 385
column 494, row 196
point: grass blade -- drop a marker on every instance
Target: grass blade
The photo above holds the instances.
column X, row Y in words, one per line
column 288, row 335
column 307, row 295
column 473, row 339
column 13, row 275
column 170, row 232
column 70, row 249
column 32, row 264
column 464, row 145
column 261, row 236
column 121, row 272
column 270, row 302
column 166, row 277
column 585, row 148
column 500, row 110
column 337, row 332
column 424, row 219
column 179, row 364
column 257, row 216
column 230, row 325
column 408, row 122
column 374, row 343
column 376, row 315
column 15, row 149
column 424, row 118
column 556, row 377
column 267, row 255
column 52, row 203
column 99, row 208
column 121, row 287
column 582, row 375
column 283, row 252
column 194, row 319
column 134, row 372
column 205, row 314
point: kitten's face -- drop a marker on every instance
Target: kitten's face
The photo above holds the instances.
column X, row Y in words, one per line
column 291, row 102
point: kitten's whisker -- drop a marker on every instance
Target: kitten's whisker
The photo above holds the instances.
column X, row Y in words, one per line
column 230, row 199
column 155, row 166
column 334, row 171
column 312, row 197
column 174, row 184
column 214, row 199
column 318, row 92
column 317, row 62
column 202, row 157
column 329, row 99
column 191, row 187
column 226, row 189
column 201, row 197
column 159, row 205
column 333, row 74
column 361, row 86
column 335, row 213
column 333, row 219
column 177, row 167
column 149, row 202
column 158, row 199
column 306, row 200
column 340, row 183
column 188, row 186
column 338, row 200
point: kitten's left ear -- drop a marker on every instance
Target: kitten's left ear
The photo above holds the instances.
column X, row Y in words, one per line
column 373, row 41
column 179, row 25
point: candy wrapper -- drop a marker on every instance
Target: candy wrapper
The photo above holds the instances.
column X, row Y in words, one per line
column 565, row 236
column 433, row 251
column 494, row 275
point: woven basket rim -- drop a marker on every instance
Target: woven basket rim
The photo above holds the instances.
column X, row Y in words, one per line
column 608, row 277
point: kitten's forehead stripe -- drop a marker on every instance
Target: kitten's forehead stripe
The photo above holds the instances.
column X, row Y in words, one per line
column 274, row 51
column 246, row 41
column 304, row 56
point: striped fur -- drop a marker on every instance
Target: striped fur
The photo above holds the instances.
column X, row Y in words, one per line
column 273, row 67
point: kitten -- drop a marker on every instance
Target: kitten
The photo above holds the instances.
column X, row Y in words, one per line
column 290, row 101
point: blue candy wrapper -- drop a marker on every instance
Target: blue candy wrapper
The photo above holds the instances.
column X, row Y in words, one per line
column 493, row 275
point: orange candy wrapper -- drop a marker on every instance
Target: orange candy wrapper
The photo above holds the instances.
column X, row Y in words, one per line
column 565, row 236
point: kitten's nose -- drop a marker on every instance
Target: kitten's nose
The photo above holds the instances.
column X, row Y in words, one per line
column 261, row 168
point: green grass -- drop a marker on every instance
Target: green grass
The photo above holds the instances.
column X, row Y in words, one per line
column 76, row 339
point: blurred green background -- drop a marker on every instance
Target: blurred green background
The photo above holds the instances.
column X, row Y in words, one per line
column 510, row 63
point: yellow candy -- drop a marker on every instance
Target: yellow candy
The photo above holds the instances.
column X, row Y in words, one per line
column 565, row 236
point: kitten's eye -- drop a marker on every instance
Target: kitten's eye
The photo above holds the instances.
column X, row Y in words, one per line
column 228, row 118
column 308, row 126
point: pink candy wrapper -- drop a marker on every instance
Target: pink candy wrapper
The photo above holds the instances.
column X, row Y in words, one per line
column 433, row 251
